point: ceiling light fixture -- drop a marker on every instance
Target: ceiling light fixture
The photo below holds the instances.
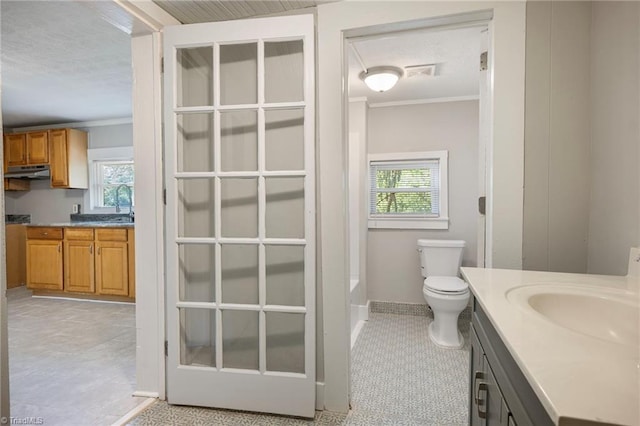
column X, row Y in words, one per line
column 381, row 79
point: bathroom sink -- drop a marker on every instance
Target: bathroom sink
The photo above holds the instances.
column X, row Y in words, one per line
column 605, row 314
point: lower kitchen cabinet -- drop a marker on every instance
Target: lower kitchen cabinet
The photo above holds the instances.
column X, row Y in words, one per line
column 16, row 264
column 94, row 261
column 79, row 260
column 44, row 259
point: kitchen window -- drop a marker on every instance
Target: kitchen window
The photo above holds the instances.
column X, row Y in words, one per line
column 408, row 190
column 111, row 172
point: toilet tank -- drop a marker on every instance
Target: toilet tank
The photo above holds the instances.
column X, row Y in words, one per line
column 440, row 258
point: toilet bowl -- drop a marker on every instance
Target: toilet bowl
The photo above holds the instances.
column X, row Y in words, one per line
column 447, row 297
column 445, row 293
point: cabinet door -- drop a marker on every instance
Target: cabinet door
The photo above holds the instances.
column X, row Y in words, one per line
column 59, row 158
column 477, row 398
column 16, row 255
column 497, row 412
column 38, row 147
column 79, row 273
column 15, row 149
column 44, row 264
column 112, row 268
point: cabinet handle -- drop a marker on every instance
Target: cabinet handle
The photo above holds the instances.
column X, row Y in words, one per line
column 45, row 233
column 90, row 248
column 59, row 247
column 476, row 377
column 483, row 386
column 99, row 250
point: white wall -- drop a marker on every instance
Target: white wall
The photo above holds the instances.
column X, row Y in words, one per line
column 582, row 185
column 614, row 213
column 556, row 196
column 393, row 263
column 47, row 205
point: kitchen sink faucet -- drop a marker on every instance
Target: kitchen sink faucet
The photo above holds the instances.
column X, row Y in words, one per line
column 128, row 189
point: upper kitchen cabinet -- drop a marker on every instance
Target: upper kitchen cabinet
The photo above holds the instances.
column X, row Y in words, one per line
column 26, row 148
column 69, row 159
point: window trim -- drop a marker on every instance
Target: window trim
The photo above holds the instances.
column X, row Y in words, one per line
column 418, row 221
column 122, row 153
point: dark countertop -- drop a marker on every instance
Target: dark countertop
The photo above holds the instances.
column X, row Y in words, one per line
column 17, row 219
column 85, row 224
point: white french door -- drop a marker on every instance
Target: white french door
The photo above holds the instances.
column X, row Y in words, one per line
column 240, row 219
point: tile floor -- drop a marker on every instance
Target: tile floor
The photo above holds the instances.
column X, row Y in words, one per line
column 71, row 362
column 398, row 378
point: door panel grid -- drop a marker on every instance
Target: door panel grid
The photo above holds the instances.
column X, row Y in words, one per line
column 240, row 216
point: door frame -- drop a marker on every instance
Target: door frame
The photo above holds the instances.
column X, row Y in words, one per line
column 505, row 163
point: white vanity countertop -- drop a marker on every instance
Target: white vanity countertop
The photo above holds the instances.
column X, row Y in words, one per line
column 576, row 376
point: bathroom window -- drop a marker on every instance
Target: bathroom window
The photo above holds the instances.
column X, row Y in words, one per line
column 408, row 190
column 110, row 168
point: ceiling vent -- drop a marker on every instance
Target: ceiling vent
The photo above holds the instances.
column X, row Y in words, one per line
column 420, row 70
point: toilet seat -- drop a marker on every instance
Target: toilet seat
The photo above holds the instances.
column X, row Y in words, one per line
column 446, row 285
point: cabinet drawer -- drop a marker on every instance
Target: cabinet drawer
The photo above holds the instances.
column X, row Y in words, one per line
column 110, row 234
column 84, row 234
column 44, row 233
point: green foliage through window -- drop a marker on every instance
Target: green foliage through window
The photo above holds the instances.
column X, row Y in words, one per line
column 405, row 188
column 113, row 175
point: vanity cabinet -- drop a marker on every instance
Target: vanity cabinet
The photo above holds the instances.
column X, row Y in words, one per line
column 44, row 258
column 69, row 159
column 21, row 149
column 79, row 260
column 499, row 393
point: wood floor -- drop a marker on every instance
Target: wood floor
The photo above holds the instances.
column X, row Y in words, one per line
column 71, row 362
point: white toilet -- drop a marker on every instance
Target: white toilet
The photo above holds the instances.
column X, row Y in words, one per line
column 445, row 293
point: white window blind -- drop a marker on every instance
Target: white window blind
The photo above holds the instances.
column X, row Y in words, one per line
column 404, row 188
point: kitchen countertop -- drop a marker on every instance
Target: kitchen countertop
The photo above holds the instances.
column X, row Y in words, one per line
column 86, row 224
column 574, row 375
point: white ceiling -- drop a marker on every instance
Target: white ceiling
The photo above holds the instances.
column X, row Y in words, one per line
column 455, row 51
column 62, row 63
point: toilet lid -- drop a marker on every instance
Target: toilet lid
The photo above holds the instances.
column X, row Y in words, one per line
column 446, row 284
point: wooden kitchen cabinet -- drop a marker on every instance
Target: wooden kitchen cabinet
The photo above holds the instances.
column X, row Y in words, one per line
column 69, row 159
column 15, row 150
column 79, row 260
column 21, row 149
column 16, row 237
column 112, row 262
column 93, row 262
column 38, row 147
column 44, row 258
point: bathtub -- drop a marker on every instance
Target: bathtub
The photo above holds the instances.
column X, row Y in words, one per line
column 359, row 308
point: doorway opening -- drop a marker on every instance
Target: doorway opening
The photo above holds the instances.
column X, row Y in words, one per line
column 438, row 105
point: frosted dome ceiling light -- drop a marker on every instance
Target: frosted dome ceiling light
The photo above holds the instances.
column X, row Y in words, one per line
column 381, row 79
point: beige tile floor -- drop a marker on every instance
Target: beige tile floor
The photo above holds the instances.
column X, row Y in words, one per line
column 71, row 362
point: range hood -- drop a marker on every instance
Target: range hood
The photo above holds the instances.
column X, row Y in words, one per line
column 28, row 172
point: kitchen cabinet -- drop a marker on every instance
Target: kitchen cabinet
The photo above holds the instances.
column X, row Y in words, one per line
column 26, row 148
column 69, row 159
column 44, row 258
column 499, row 393
column 79, row 260
column 16, row 240
column 94, row 261
column 112, row 262
column 17, row 185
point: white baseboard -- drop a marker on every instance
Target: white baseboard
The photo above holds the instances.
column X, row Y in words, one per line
column 320, row 396
column 134, row 412
column 146, row 394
